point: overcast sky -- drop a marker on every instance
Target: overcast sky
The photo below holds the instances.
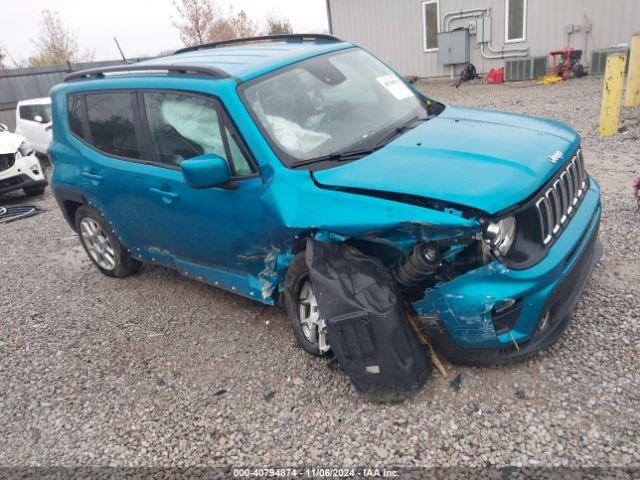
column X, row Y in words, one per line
column 142, row 27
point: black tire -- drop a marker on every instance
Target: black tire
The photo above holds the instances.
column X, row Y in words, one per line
column 294, row 279
column 578, row 70
column 33, row 192
column 125, row 264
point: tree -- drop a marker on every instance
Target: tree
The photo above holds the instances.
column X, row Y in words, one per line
column 196, row 19
column 202, row 21
column 241, row 25
column 162, row 53
column 55, row 45
column 221, row 29
column 277, row 25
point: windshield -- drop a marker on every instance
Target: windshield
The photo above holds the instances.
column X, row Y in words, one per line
column 330, row 104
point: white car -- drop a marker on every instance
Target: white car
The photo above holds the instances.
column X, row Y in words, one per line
column 19, row 166
column 33, row 122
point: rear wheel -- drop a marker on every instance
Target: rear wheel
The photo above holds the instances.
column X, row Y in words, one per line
column 302, row 307
column 102, row 245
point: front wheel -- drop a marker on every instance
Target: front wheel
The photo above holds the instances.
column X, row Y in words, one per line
column 308, row 327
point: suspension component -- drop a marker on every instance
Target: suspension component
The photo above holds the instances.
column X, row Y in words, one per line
column 423, row 262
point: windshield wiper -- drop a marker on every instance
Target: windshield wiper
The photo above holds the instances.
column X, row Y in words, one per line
column 408, row 125
column 359, row 153
column 336, row 157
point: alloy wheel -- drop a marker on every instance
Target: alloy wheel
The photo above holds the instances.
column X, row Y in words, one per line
column 313, row 326
column 97, row 243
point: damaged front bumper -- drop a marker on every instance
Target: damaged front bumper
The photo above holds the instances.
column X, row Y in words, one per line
column 26, row 172
column 495, row 314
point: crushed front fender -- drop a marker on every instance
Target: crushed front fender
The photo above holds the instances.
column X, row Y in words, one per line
column 366, row 322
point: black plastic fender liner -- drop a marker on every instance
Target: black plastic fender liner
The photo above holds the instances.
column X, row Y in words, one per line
column 366, row 320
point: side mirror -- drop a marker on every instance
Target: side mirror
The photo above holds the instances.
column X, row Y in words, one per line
column 206, row 171
column 38, row 118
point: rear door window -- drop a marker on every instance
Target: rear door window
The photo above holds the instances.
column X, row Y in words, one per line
column 112, row 124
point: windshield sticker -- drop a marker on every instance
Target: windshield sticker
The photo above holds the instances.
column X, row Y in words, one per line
column 395, row 86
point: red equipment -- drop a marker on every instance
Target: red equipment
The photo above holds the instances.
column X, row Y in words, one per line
column 566, row 63
column 636, row 186
column 495, row 75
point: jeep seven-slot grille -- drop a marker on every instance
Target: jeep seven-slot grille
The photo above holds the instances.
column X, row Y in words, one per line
column 560, row 199
column 7, row 161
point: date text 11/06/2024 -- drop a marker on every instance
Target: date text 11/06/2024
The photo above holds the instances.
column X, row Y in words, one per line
column 314, row 472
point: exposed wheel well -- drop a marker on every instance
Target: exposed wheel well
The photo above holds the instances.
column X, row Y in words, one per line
column 300, row 246
column 70, row 208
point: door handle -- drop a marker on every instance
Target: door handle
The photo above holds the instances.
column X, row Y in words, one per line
column 168, row 197
column 93, row 176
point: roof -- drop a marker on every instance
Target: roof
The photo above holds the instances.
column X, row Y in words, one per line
column 35, row 101
column 250, row 60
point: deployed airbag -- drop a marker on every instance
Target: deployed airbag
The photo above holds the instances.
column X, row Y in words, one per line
column 195, row 120
column 366, row 322
column 294, row 138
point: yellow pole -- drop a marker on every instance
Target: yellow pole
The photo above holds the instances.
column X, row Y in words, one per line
column 632, row 98
column 612, row 94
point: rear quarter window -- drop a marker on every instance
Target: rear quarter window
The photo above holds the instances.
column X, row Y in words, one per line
column 74, row 105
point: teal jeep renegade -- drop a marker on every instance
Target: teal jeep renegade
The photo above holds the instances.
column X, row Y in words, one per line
column 233, row 162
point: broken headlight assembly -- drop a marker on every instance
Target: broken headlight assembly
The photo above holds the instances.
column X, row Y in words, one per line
column 500, row 235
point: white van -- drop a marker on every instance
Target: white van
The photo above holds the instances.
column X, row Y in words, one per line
column 33, row 122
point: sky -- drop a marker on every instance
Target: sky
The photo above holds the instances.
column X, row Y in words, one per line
column 142, row 27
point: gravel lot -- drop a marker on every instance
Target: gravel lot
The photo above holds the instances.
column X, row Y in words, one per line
column 159, row 370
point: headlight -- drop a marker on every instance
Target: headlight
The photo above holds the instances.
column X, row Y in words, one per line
column 24, row 150
column 500, row 235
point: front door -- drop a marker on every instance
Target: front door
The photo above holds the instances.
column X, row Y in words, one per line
column 214, row 227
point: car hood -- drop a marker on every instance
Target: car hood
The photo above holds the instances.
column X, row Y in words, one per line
column 10, row 142
column 482, row 159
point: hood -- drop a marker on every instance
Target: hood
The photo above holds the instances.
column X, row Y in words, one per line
column 481, row 159
column 10, row 142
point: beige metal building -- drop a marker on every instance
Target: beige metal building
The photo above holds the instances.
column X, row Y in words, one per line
column 411, row 35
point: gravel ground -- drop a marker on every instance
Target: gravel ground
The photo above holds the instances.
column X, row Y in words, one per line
column 159, row 370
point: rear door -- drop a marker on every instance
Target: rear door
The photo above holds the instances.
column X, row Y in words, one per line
column 131, row 173
column 112, row 172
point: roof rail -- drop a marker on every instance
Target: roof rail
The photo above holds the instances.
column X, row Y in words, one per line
column 288, row 37
column 212, row 72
